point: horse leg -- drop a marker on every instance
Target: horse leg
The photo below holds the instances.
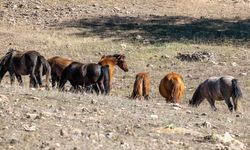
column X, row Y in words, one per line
column 96, row 88
column 235, row 101
column 19, row 79
column 212, row 103
column 62, row 83
column 53, row 78
column 101, row 86
column 229, row 104
column 33, row 77
column 39, row 77
column 12, row 78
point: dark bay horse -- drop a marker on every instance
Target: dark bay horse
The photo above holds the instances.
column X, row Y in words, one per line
column 85, row 75
column 141, row 86
column 172, row 87
column 58, row 64
column 112, row 61
column 218, row 88
column 19, row 63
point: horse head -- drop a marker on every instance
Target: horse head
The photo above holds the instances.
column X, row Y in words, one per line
column 121, row 62
column 197, row 98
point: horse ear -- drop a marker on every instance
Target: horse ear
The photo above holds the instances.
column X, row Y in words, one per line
column 121, row 56
column 102, row 56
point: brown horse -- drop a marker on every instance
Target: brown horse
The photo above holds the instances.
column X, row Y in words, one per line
column 86, row 75
column 25, row 63
column 141, row 86
column 112, row 61
column 58, row 64
column 218, row 88
column 172, row 87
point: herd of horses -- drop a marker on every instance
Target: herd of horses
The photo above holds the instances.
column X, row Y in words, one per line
column 98, row 77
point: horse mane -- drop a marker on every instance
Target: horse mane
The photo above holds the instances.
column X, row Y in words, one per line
column 117, row 56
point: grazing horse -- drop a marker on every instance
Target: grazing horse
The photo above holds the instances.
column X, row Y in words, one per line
column 141, row 86
column 172, row 87
column 25, row 63
column 58, row 64
column 86, row 75
column 112, row 61
column 218, row 88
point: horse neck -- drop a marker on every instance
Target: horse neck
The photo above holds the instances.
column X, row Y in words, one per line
column 112, row 62
column 198, row 93
column 109, row 61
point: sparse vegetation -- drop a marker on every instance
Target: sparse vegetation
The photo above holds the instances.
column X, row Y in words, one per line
column 151, row 34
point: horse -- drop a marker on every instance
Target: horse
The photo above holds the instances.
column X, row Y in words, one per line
column 112, row 61
column 58, row 64
column 141, row 86
column 19, row 63
column 218, row 88
column 172, row 87
column 86, row 75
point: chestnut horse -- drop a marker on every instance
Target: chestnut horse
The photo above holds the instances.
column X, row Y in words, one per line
column 19, row 63
column 58, row 64
column 172, row 87
column 86, row 75
column 112, row 61
column 141, row 86
column 218, row 88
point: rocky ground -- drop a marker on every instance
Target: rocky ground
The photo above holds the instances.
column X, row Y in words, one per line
column 197, row 38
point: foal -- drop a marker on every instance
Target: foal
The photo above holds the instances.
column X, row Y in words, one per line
column 141, row 86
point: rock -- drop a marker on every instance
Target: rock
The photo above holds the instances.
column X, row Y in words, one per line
column 139, row 37
column 123, row 45
column 189, row 112
column 84, row 109
column 31, row 116
column 206, row 124
column 154, row 116
column 234, row 64
column 222, row 63
column 63, row 132
column 189, row 76
column 93, row 101
column 165, row 56
column 227, row 141
column 176, row 108
column 243, row 73
column 29, row 127
column 150, row 65
column 13, row 141
column 204, row 114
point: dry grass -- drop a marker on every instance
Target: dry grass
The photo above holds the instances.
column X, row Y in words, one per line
column 114, row 121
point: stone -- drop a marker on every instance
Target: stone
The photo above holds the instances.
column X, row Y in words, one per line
column 154, row 116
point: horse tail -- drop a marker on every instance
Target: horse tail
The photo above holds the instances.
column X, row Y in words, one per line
column 46, row 69
column 105, row 74
column 177, row 90
column 237, row 94
column 63, row 79
column 236, row 89
column 137, row 91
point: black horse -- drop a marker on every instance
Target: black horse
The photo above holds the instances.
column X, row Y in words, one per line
column 87, row 76
column 19, row 63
